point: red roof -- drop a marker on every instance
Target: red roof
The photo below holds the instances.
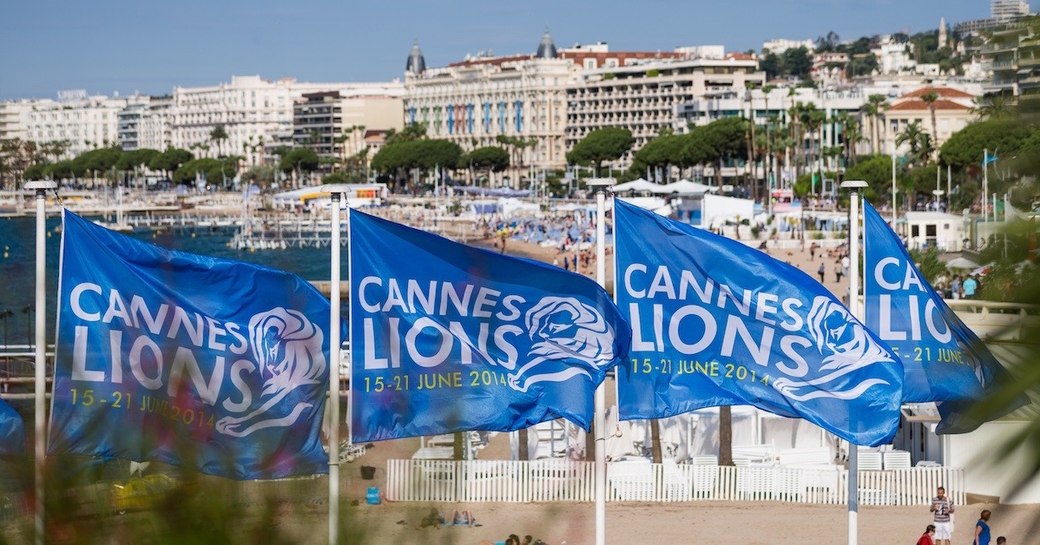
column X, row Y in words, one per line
column 943, row 92
column 916, row 104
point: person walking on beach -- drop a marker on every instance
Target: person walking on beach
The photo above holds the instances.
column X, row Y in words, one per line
column 837, row 272
column 820, row 272
column 926, row 537
column 982, row 529
column 942, row 507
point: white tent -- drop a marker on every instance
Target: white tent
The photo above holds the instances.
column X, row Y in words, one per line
column 962, row 263
column 638, row 186
column 684, row 187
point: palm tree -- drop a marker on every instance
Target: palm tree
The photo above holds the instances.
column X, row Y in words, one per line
column 991, row 106
column 766, row 89
column 912, row 136
column 929, row 99
column 218, row 135
column 797, row 132
column 872, row 109
column 853, row 135
column 813, row 120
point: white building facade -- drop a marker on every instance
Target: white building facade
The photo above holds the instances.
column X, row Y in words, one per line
column 478, row 101
column 648, row 97
column 251, row 110
column 84, row 122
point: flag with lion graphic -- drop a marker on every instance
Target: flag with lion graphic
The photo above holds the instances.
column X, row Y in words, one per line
column 447, row 337
column 204, row 363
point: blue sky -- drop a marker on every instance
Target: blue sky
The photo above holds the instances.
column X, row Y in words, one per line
column 125, row 46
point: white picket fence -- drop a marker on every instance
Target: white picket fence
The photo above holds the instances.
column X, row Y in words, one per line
column 564, row 480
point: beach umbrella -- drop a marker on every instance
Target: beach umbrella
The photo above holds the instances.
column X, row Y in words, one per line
column 961, row 262
column 982, row 271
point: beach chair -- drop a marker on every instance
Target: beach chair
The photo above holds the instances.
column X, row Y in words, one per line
column 869, row 461
column 704, row 461
column 896, row 459
column 677, row 483
column 631, row 481
column 705, row 472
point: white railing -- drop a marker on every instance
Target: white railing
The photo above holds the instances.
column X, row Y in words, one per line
column 567, row 481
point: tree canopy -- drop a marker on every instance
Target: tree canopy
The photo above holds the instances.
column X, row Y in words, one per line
column 424, row 154
column 606, row 144
column 299, row 159
column 491, row 158
column 1002, row 134
column 170, row 160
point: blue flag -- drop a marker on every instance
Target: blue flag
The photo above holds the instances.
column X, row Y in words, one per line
column 717, row 323
column 194, row 361
column 943, row 360
column 12, row 431
column 445, row 337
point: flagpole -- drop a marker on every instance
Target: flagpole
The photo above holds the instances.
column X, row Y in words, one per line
column 985, row 184
column 1006, row 223
column 894, row 189
column 599, row 419
column 335, row 344
column 854, row 186
column 40, row 410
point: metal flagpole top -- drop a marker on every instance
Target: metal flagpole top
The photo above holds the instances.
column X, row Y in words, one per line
column 853, row 184
column 335, row 188
column 600, row 182
column 41, row 185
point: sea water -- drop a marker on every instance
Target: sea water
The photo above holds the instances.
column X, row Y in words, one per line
column 18, row 265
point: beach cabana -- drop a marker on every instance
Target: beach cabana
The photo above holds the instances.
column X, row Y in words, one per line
column 637, row 186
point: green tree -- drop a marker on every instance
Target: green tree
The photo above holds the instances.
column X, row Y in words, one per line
column 664, row 151
column 170, row 160
column 219, row 136
column 876, row 170
column 96, row 162
column 771, row 65
column 987, row 107
column 413, row 131
column 928, row 263
column 298, row 162
column 872, row 110
column 964, row 148
column 929, row 99
column 916, row 138
column 725, row 137
column 797, row 62
column 606, row 144
column 206, row 167
column 38, row 171
column 490, row 158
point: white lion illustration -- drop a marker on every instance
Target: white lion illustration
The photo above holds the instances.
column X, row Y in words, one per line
column 287, row 347
column 846, row 348
column 573, row 339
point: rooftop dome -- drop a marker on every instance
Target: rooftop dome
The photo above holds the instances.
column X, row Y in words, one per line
column 416, row 63
column 546, row 49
